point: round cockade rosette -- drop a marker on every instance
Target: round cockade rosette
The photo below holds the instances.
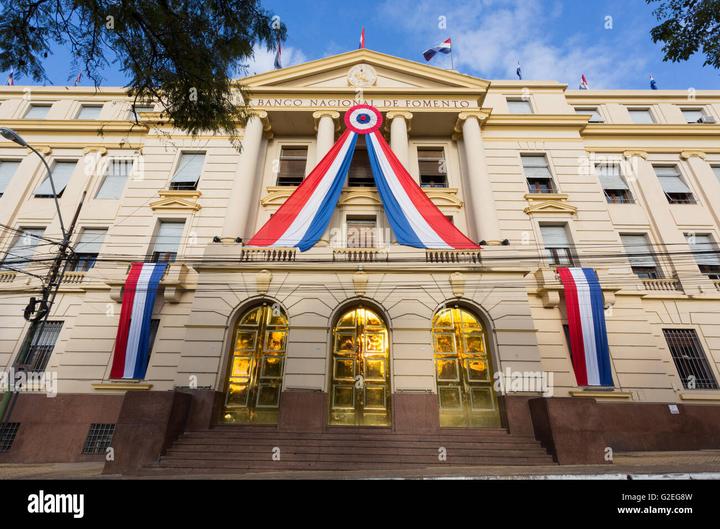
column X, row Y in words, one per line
column 363, row 119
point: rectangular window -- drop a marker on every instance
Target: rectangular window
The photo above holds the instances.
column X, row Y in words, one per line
column 89, row 112
column 116, row 177
column 707, row 254
column 23, row 248
column 8, row 168
column 716, row 170
column 37, row 112
column 641, row 116
column 8, row 432
column 141, row 109
column 98, row 439
column 558, row 249
column 537, row 172
column 87, row 249
column 167, row 241
column 432, row 167
column 39, row 344
column 360, row 174
column 361, row 231
column 689, row 358
column 595, row 116
column 613, row 184
column 188, row 171
column 61, row 173
column 693, row 115
column 293, row 162
column 640, row 255
column 676, row 190
column 519, row 106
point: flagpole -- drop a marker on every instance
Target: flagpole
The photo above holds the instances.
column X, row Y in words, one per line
column 452, row 62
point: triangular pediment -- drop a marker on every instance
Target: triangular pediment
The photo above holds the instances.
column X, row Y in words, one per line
column 389, row 73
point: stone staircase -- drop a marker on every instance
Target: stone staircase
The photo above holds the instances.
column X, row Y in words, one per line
column 246, row 449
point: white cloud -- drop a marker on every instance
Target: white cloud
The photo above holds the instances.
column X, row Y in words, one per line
column 264, row 61
column 490, row 36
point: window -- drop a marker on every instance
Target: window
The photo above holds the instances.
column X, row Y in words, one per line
column 538, row 174
column 293, row 161
column 99, row 439
column 360, row 173
column 693, row 115
column 361, row 231
column 167, row 241
column 707, row 254
column 188, row 171
column 595, row 116
column 141, row 109
column 641, row 116
column 689, row 358
column 116, row 176
column 22, row 249
column 61, row 173
column 519, row 106
column 87, row 249
column 557, row 245
column 39, row 344
column 7, row 171
column 37, row 112
column 8, row 431
column 89, row 112
column 432, row 167
column 676, row 190
column 640, row 254
column 716, row 170
column 613, row 184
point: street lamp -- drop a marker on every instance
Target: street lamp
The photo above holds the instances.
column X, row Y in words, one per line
column 14, row 137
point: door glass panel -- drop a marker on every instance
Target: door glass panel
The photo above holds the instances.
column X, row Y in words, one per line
column 257, row 365
column 360, row 393
column 463, row 371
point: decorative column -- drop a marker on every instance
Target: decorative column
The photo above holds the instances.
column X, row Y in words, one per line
column 478, row 181
column 241, row 195
column 399, row 128
column 326, row 125
column 672, row 239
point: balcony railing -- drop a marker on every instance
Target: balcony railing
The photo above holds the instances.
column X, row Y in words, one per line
column 662, row 285
column 453, row 256
column 268, row 255
column 7, row 277
column 74, row 278
column 360, row 255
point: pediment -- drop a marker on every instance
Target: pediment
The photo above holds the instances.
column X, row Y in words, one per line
column 171, row 200
column 392, row 73
column 549, row 205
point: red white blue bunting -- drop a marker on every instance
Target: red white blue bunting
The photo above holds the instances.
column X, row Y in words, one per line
column 132, row 343
column 586, row 323
column 415, row 220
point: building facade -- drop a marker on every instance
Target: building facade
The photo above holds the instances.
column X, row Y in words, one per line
column 360, row 331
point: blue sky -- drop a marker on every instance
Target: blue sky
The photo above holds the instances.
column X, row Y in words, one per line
column 553, row 39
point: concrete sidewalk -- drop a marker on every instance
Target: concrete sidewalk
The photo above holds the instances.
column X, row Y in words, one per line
column 704, row 464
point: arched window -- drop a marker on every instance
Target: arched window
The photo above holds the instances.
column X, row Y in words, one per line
column 463, row 369
column 257, row 364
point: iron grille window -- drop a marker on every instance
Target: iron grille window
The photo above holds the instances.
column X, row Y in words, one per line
column 39, row 345
column 293, row 161
column 98, row 439
column 689, row 358
column 8, row 431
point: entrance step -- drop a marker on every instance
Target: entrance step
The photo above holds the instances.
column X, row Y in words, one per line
column 237, row 449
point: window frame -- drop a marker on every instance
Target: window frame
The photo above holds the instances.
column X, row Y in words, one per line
column 552, row 255
column 683, row 198
column 591, row 110
column 26, row 358
column 554, row 188
column 83, row 106
column 421, row 159
column 155, row 256
column 641, row 271
column 282, row 158
column 13, row 241
column 361, row 218
column 702, row 110
column 649, row 110
column 32, row 105
column 180, row 186
column 711, row 271
column 700, row 359
column 106, row 175
column 626, row 196
column 46, row 178
column 10, row 178
column 520, row 99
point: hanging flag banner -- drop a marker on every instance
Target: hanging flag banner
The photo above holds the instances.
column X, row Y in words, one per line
column 132, row 343
column 415, row 220
column 586, row 322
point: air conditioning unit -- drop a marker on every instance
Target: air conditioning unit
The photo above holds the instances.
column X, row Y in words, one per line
column 707, row 119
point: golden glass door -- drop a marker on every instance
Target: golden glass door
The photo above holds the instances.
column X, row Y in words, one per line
column 257, row 365
column 464, row 371
column 360, row 392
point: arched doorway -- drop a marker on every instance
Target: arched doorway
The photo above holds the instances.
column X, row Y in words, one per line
column 360, row 389
column 257, row 364
column 463, row 369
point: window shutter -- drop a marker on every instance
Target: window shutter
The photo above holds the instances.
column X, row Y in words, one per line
column 555, row 236
column 115, row 178
column 704, row 243
column 611, row 177
column 638, row 244
column 536, row 167
column 8, row 168
column 189, row 168
column 168, row 237
column 670, row 180
column 61, row 173
column 91, row 240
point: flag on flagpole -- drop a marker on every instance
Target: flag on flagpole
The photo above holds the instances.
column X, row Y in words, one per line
column 278, row 56
column 445, row 47
column 653, row 83
column 519, row 71
column 362, row 38
column 584, row 83
column 11, row 79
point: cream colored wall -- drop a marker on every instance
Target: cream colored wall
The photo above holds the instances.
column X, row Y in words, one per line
column 193, row 339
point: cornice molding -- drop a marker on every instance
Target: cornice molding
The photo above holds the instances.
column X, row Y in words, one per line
column 64, row 126
column 618, row 131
